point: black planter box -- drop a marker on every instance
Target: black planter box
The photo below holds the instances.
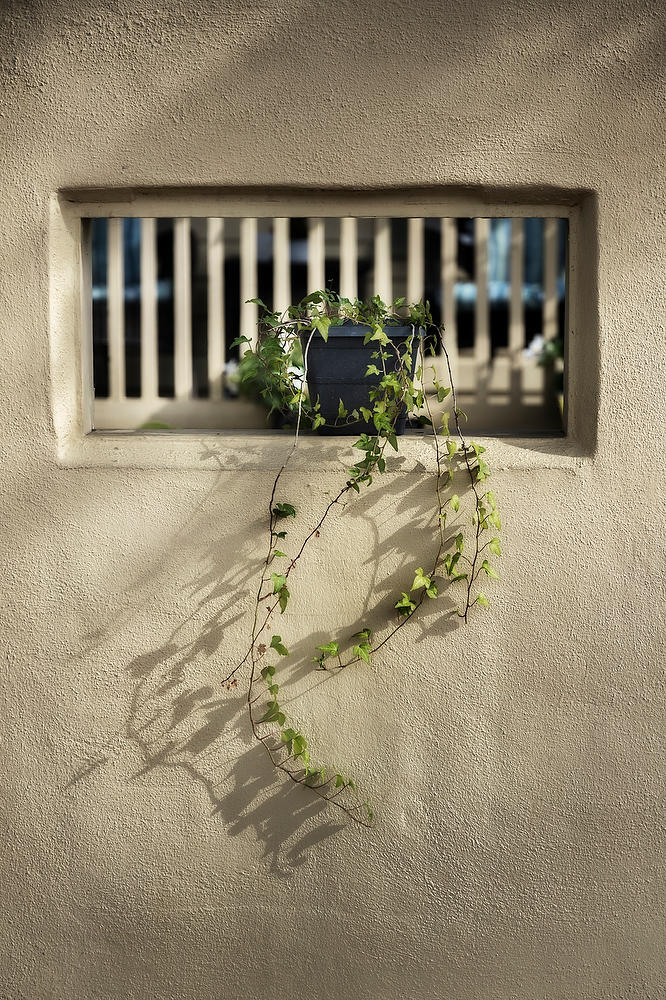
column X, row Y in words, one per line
column 336, row 371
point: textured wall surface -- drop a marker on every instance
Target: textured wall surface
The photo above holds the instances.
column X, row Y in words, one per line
column 516, row 764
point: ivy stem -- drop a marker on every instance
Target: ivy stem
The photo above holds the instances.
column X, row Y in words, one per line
column 473, row 484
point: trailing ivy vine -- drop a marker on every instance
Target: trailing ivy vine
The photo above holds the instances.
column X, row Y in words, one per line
column 276, row 370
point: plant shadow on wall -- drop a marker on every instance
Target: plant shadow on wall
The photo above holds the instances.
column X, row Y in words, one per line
column 183, row 718
column 199, row 730
column 226, row 727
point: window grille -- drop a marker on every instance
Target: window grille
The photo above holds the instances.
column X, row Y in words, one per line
column 169, row 296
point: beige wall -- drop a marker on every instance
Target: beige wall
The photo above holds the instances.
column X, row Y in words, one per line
column 517, row 764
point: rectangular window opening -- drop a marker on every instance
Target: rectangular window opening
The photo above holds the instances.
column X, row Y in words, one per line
column 170, row 295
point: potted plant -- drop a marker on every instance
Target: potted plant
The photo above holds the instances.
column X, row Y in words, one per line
column 341, row 350
column 389, row 350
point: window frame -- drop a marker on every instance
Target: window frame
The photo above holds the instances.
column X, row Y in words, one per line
column 71, row 330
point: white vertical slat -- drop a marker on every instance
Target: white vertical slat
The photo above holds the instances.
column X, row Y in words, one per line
column 348, row 258
column 550, row 232
column 215, row 274
column 316, row 255
column 415, row 260
column 149, row 350
column 281, row 265
column 383, row 275
column 248, row 279
column 116, row 309
column 517, row 272
column 481, row 325
column 449, row 265
column 182, row 273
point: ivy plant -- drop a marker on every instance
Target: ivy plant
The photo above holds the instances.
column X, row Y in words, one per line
column 463, row 558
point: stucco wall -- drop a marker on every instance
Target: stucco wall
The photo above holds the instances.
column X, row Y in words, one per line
column 516, row 764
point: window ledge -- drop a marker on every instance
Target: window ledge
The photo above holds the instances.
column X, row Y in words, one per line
column 256, row 451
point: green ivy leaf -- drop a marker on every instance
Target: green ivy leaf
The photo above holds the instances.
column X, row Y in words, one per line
column 239, row 341
column 278, row 554
column 267, row 671
column 455, row 502
column 494, row 546
column 322, row 323
column 362, row 651
column 284, row 598
column 278, row 645
column 278, row 580
column 442, row 392
column 283, row 510
column 482, row 471
column 364, row 443
column 420, row 580
column 329, row 648
column 342, row 412
column 482, row 600
column 488, row 570
column 460, row 541
column 380, row 336
column 405, row 605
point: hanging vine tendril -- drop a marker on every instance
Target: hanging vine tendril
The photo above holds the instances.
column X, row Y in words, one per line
column 276, row 369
